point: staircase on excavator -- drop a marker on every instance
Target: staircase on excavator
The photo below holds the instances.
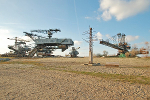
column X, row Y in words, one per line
column 31, row 53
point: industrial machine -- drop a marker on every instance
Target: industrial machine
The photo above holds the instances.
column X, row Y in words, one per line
column 74, row 52
column 118, row 42
column 45, row 45
column 19, row 49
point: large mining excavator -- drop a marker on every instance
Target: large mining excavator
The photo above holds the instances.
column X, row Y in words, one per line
column 19, row 49
column 45, row 45
column 118, row 42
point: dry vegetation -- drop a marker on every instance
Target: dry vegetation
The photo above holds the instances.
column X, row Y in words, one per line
column 131, row 72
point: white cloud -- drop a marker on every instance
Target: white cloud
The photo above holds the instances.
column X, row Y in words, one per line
column 130, row 38
column 11, row 23
column 99, row 35
column 4, row 31
column 98, row 17
column 106, row 16
column 30, row 42
column 108, row 36
column 88, row 18
column 26, row 38
column 122, row 9
column 141, row 43
column 77, row 42
column 93, row 18
column 4, row 42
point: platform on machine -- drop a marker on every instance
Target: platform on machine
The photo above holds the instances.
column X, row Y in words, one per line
column 53, row 40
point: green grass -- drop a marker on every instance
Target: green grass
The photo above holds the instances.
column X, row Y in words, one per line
column 117, row 77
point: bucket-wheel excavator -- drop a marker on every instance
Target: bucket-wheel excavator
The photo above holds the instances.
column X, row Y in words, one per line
column 45, row 45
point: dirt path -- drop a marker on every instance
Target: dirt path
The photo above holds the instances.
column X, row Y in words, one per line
column 37, row 84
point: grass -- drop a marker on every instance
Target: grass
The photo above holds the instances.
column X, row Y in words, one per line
column 7, row 57
column 117, row 77
column 23, row 62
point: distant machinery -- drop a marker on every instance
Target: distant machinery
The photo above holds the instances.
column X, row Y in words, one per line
column 20, row 48
column 74, row 52
column 143, row 51
column 118, row 42
column 45, row 46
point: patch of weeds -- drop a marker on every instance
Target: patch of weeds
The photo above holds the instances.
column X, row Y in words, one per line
column 59, row 67
column 24, row 62
column 141, row 67
column 2, row 61
column 117, row 77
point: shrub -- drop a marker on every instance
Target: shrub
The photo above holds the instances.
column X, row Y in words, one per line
column 127, row 54
column 133, row 53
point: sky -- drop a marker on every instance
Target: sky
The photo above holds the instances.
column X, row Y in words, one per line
column 73, row 18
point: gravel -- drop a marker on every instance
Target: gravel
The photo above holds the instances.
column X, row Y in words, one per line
column 25, row 81
column 36, row 84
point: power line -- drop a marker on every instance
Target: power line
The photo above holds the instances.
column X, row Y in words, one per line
column 76, row 17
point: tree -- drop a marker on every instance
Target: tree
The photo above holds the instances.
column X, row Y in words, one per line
column 147, row 48
column 147, row 45
column 98, row 55
column 105, row 53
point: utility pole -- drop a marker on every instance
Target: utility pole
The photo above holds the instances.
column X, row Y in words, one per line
column 90, row 47
column 91, row 38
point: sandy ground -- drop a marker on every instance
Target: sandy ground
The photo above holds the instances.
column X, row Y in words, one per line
column 25, row 81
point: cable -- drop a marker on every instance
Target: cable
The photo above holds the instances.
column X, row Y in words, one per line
column 76, row 17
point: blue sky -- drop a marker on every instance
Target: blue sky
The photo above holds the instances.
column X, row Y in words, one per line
column 73, row 17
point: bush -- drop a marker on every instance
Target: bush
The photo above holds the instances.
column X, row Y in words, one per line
column 133, row 53
column 127, row 54
column 97, row 55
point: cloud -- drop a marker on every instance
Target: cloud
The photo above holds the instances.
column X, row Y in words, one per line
column 122, row 9
column 77, row 42
column 4, row 31
column 130, row 38
column 4, row 42
column 26, row 38
column 99, row 35
column 108, row 36
column 88, row 18
column 98, row 17
column 106, row 16
column 11, row 23
column 141, row 43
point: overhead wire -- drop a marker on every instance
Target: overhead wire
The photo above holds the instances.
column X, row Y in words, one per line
column 76, row 17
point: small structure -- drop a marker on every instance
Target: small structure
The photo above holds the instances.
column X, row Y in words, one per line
column 74, row 52
column 112, row 64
